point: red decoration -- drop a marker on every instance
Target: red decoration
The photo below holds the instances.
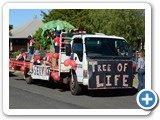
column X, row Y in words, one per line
column 67, row 62
column 73, row 63
column 53, row 74
column 10, row 66
column 23, row 68
column 56, row 55
column 14, row 66
column 134, row 65
column 56, row 77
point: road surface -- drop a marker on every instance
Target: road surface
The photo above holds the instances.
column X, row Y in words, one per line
column 43, row 95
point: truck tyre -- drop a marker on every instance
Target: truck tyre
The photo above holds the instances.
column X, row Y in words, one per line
column 29, row 80
column 25, row 73
column 75, row 88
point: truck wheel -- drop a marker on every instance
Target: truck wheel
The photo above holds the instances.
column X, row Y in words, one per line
column 25, row 73
column 29, row 80
column 75, row 88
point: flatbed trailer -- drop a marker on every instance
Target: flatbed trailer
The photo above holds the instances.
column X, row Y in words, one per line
column 14, row 62
column 94, row 61
column 24, row 66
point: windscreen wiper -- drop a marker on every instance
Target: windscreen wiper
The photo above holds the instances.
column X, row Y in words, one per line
column 93, row 57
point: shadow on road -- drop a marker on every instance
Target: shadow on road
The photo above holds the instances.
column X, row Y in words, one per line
column 52, row 85
column 110, row 93
column 11, row 74
column 20, row 79
column 92, row 93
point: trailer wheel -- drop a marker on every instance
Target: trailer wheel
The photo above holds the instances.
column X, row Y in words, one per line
column 25, row 73
column 75, row 88
column 29, row 80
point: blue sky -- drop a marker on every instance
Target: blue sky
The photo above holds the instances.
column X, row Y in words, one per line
column 21, row 16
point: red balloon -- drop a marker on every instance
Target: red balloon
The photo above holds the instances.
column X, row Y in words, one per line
column 14, row 66
column 10, row 66
column 56, row 77
column 53, row 74
column 73, row 63
column 134, row 65
column 56, row 55
column 23, row 68
column 67, row 62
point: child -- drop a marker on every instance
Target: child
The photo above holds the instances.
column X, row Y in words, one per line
column 47, row 59
column 31, row 47
column 35, row 61
column 22, row 55
column 57, row 41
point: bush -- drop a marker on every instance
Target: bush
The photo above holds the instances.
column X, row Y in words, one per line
column 14, row 54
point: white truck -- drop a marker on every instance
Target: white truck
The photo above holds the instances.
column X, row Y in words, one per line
column 102, row 62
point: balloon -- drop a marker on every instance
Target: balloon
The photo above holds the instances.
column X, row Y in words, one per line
column 10, row 66
column 73, row 63
column 53, row 74
column 134, row 65
column 67, row 62
column 56, row 77
column 14, row 66
column 23, row 68
column 56, row 55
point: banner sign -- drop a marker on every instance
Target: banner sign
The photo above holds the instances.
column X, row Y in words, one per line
column 41, row 72
column 110, row 74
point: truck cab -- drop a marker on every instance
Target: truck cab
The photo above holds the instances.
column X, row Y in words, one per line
column 102, row 62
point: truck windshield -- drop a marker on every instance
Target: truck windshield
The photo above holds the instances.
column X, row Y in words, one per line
column 102, row 47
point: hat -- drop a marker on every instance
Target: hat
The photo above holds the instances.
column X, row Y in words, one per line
column 30, row 36
column 22, row 50
column 37, row 52
column 57, row 33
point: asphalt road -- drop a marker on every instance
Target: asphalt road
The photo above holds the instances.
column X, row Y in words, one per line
column 43, row 95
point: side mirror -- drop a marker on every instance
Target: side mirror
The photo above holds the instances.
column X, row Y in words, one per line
column 68, row 49
column 131, row 50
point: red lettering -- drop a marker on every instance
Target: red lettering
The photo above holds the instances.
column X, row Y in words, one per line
column 37, row 70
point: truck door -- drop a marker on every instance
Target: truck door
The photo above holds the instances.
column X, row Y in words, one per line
column 77, row 55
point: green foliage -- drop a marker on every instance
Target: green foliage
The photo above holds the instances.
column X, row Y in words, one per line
column 14, row 54
column 10, row 28
column 128, row 23
column 37, row 38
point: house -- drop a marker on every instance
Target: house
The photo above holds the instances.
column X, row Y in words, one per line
column 18, row 38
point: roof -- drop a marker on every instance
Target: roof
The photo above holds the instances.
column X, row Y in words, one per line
column 100, row 36
column 26, row 29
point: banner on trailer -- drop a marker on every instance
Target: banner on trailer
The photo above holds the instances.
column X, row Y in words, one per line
column 41, row 72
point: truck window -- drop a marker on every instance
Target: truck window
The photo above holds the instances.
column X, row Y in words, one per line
column 78, row 48
column 102, row 47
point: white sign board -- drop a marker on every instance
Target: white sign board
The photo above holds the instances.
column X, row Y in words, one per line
column 41, row 72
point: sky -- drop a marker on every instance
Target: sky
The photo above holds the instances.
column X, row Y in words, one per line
column 20, row 16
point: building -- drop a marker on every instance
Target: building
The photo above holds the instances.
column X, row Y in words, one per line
column 18, row 38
